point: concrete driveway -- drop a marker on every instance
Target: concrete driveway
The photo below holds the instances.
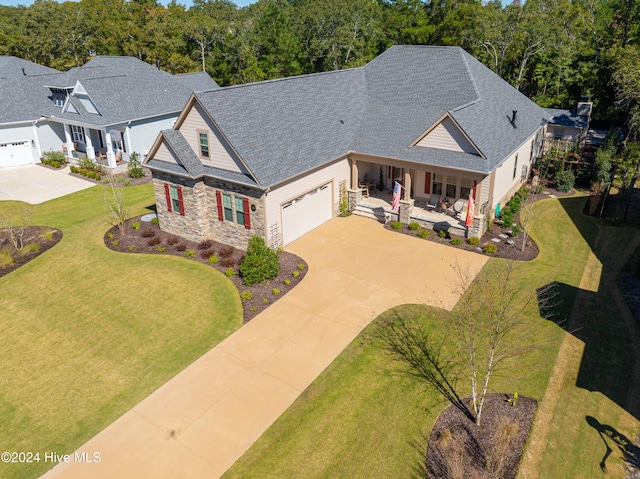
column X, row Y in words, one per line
column 201, row 421
column 36, row 184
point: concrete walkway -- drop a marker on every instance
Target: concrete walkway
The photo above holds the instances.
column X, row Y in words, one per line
column 36, row 184
column 200, row 422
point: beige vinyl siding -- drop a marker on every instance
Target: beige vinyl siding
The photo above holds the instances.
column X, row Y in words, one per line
column 447, row 136
column 333, row 173
column 505, row 184
column 165, row 154
column 448, row 177
column 196, row 121
column 568, row 133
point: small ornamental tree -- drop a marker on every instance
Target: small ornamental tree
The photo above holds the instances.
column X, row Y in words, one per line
column 260, row 262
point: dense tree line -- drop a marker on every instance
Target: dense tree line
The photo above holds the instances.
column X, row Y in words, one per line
column 554, row 51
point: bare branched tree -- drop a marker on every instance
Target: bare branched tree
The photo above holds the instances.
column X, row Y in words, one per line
column 113, row 195
column 16, row 225
column 529, row 213
column 492, row 327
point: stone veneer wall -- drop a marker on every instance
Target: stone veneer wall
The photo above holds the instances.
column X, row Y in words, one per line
column 200, row 220
column 230, row 232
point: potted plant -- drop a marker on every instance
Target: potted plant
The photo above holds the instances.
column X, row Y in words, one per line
column 381, row 181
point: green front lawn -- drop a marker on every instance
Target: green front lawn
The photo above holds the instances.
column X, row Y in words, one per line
column 86, row 333
column 360, row 420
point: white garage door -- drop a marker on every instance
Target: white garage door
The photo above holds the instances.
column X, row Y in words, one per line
column 305, row 213
column 15, row 154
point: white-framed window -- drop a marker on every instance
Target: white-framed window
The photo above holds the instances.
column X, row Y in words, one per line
column 436, row 187
column 77, row 133
column 203, row 144
column 558, row 133
column 466, row 185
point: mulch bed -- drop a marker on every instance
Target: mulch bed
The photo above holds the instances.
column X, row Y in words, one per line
column 150, row 238
column 459, row 448
column 504, row 250
column 33, row 235
column 124, row 175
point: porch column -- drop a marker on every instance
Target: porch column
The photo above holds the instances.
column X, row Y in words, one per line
column 111, row 156
column 68, row 141
column 91, row 153
column 407, row 185
column 354, row 174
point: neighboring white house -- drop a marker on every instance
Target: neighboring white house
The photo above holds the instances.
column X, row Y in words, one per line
column 276, row 158
column 108, row 108
column 569, row 125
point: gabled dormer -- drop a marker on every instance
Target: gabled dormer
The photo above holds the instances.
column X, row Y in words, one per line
column 81, row 94
column 206, row 140
column 446, row 134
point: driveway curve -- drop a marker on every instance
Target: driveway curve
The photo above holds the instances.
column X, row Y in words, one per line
column 201, row 421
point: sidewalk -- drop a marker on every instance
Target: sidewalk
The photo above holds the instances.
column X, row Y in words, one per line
column 201, row 421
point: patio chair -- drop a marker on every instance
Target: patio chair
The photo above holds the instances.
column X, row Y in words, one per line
column 458, row 208
column 434, row 201
column 364, row 187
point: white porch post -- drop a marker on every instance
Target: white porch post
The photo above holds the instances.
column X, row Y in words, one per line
column 91, row 153
column 407, row 185
column 68, row 140
column 111, row 156
column 354, row 174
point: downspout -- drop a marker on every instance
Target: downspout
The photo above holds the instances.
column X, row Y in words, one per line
column 37, row 140
column 265, row 233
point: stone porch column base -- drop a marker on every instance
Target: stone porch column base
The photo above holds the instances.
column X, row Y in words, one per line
column 406, row 208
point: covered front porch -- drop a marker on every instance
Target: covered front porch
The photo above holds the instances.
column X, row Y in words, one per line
column 378, row 205
column 436, row 198
column 107, row 147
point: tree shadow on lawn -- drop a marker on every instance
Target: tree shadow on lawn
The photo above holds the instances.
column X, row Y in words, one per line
column 630, row 452
column 601, row 319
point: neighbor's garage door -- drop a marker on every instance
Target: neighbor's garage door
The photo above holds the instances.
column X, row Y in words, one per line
column 305, row 213
column 15, row 154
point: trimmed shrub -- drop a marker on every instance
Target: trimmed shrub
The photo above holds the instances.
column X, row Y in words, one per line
column 275, row 291
column 154, row 220
column 48, row 235
column 154, row 241
column 205, row 244
column 172, row 240
column 246, row 295
column 490, row 248
column 134, row 167
column 425, row 234
column 396, row 225
column 414, row 225
column 565, row 180
column 135, row 225
column 229, row 272
column 287, row 282
column 207, row 253
column 190, row 253
column 181, row 247
column 456, row 241
column 228, row 262
column 115, row 243
column 295, row 274
column 301, row 267
column 161, row 249
column 148, row 233
column 30, row 248
column 473, row 241
column 213, row 259
column 226, row 251
column 260, row 262
column 442, row 234
column 131, row 248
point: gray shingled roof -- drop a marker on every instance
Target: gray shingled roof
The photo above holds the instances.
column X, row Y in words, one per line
column 282, row 128
column 567, row 118
column 11, row 67
column 123, row 88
